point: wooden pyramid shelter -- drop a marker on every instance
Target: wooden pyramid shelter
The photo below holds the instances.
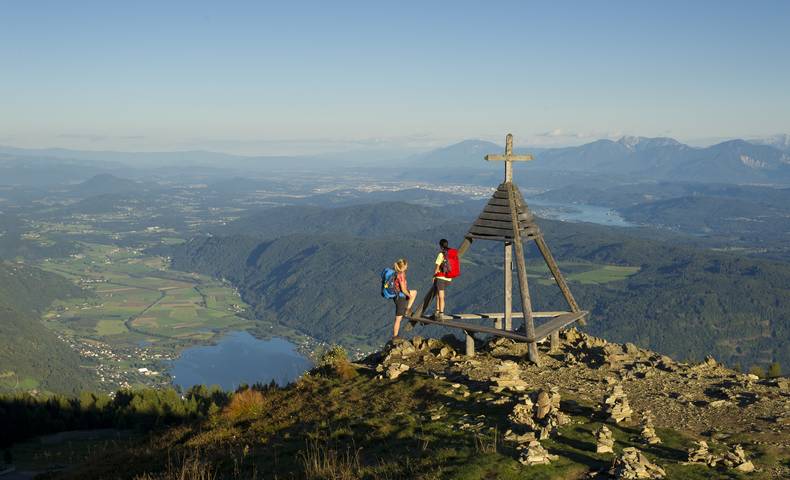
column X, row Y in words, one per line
column 496, row 222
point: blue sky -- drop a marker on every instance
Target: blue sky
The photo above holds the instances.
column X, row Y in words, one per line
column 298, row 77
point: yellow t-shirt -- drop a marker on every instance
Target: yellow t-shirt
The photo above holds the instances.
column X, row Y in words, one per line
column 439, row 260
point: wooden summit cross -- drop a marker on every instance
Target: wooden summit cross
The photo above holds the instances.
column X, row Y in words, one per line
column 505, row 210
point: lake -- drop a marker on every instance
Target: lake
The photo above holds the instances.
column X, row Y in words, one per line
column 238, row 358
column 579, row 212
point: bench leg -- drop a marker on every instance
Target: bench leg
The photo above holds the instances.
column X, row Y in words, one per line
column 498, row 324
column 555, row 341
column 470, row 344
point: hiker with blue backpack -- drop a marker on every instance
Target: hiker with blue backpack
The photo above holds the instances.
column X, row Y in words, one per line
column 394, row 286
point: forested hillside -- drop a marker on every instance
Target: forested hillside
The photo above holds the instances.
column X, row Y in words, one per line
column 31, row 356
column 681, row 301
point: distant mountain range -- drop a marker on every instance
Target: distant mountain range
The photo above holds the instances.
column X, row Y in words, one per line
column 759, row 161
column 635, row 158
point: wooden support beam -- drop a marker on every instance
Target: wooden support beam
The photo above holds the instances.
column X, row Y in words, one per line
column 508, row 286
column 470, row 344
column 498, row 323
column 555, row 271
column 521, row 265
column 555, row 324
column 555, row 341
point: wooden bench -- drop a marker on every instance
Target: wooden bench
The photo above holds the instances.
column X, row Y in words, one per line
column 558, row 321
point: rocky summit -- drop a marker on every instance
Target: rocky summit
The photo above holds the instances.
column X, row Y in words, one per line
column 617, row 386
column 419, row 409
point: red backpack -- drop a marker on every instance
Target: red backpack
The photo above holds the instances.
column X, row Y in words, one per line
column 451, row 266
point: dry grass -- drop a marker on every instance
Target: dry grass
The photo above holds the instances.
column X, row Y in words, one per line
column 186, row 467
column 246, row 404
column 320, row 462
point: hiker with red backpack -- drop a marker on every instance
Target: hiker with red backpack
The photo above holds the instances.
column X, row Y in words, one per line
column 447, row 267
column 394, row 286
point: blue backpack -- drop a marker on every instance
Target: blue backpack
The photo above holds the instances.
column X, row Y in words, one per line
column 388, row 289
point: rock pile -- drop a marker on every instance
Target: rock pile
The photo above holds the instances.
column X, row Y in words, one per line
column 736, row 458
column 542, row 416
column 522, row 414
column 535, row 454
column 633, row 464
column 394, row 370
column 648, row 431
column 508, row 377
column 604, row 441
column 700, row 454
column 616, row 406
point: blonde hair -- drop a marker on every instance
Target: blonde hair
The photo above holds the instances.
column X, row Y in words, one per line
column 400, row 265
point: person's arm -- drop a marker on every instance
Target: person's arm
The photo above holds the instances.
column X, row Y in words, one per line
column 405, row 287
column 438, row 265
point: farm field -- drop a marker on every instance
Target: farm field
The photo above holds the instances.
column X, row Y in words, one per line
column 135, row 299
column 584, row 273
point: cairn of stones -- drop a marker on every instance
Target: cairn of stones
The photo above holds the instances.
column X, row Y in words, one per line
column 699, row 453
column 508, row 377
column 736, row 458
column 535, row 454
column 633, row 464
column 616, row 406
column 648, row 431
column 522, row 415
column 604, row 442
column 542, row 416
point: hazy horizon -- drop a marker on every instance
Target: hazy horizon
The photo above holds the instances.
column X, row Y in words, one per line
column 309, row 77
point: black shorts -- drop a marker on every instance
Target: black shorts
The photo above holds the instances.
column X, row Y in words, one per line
column 440, row 284
column 400, row 305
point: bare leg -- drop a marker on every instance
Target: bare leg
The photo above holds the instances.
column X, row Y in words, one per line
column 396, row 329
column 440, row 301
column 412, row 298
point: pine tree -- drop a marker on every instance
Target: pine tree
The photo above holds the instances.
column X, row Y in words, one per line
column 775, row 370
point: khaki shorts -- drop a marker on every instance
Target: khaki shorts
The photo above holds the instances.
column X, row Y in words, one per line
column 439, row 284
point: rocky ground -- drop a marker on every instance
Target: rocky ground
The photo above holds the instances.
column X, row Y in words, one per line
column 420, row 409
column 619, row 384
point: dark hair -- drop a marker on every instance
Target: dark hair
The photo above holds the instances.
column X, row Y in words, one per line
column 443, row 243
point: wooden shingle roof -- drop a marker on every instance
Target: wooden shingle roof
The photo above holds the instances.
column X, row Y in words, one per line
column 495, row 221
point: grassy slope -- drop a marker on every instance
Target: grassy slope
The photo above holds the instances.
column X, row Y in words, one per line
column 326, row 427
column 30, row 355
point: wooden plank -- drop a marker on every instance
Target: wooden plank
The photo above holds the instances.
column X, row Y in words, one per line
column 469, row 327
column 507, row 158
column 522, row 281
column 495, row 238
column 555, row 324
column 497, row 315
column 541, row 331
column 496, row 209
column 498, row 202
column 505, row 217
column 500, row 232
column 505, row 225
column 501, row 225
